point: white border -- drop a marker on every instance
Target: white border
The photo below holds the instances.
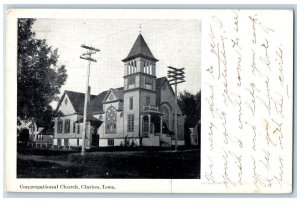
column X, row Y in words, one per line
column 161, row 2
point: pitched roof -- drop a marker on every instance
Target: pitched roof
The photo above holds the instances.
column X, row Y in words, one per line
column 119, row 93
column 160, row 81
column 77, row 100
column 140, row 48
column 96, row 105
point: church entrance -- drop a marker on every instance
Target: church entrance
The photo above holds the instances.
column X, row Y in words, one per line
column 95, row 140
column 150, row 127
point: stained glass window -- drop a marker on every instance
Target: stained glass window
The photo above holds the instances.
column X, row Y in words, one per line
column 111, row 120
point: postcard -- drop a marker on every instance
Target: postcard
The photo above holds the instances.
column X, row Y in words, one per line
column 149, row 100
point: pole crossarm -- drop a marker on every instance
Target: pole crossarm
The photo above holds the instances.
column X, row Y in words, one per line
column 89, row 48
column 175, row 73
column 176, row 76
column 88, row 58
column 177, row 82
column 176, row 69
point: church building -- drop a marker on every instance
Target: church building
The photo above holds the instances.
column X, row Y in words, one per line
column 140, row 113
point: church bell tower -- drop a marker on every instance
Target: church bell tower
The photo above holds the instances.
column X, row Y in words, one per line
column 139, row 86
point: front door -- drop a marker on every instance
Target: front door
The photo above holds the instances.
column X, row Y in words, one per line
column 95, row 140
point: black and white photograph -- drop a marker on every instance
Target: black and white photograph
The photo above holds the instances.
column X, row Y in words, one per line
column 108, row 98
column 150, row 101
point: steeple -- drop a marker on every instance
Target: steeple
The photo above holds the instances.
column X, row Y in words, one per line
column 140, row 49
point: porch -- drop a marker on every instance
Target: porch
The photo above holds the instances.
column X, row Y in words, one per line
column 151, row 127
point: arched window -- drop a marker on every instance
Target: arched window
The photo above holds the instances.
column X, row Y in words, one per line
column 166, row 117
column 111, row 120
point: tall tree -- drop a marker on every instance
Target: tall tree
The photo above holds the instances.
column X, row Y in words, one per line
column 38, row 76
column 190, row 105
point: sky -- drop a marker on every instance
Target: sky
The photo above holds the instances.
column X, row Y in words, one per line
column 174, row 43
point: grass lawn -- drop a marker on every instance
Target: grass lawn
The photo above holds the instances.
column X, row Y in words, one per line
column 111, row 164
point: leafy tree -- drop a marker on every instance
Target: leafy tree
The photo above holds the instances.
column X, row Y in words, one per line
column 190, row 105
column 38, row 76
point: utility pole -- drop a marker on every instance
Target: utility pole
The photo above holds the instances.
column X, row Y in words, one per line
column 87, row 56
column 176, row 76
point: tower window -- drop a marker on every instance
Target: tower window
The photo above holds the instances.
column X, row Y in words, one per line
column 144, row 66
column 130, row 103
column 131, row 82
column 130, row 123
column 148, row 83
column 147, row 100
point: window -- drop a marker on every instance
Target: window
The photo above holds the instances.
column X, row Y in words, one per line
column 111, row 96
column 130, row 103
column 130, row 123
column 74, row 127
column 78, row 128
column 143, row 66
column 147, row 100
column 166, row 117
column 148, row 83
column 67, row 126
column 110, row 142
column 111, row 120
column 66, row 101
column 131, row 82
column 66, row 142
column 58, row 142
column 59, row 126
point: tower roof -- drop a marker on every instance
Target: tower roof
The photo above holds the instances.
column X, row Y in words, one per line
column 140, row 48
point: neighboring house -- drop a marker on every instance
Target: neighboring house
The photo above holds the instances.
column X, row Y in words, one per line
column 30, row 126
column 139, row 113
column 45, row 136
column 195, row 134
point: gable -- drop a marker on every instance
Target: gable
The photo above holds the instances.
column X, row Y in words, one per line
column 66, row 107
column 114, row 95
column 75, row 99
column 166, row 94
column 110, row 97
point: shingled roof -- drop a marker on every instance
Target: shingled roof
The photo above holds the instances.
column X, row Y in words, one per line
column 160, row 81
column 96, row 104
column 77, row 100
column 140, row 48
